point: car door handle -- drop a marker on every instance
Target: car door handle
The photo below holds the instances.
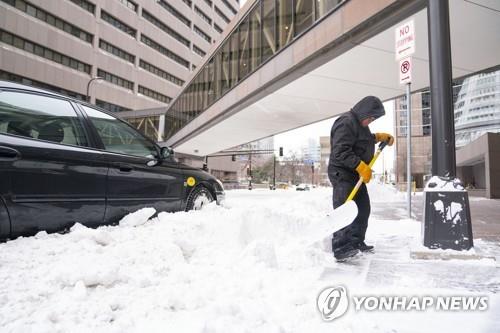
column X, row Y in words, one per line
column 9, row 154
column 124, row 167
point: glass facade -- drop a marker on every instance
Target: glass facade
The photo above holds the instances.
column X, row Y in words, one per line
column 477, row 107
column 267, row 28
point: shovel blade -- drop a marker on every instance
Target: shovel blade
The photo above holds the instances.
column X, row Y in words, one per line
column 340, row 217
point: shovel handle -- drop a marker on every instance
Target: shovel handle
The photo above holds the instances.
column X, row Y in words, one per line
column 354, row 191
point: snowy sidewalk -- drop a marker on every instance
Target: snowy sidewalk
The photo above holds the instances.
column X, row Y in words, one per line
column 246, row 267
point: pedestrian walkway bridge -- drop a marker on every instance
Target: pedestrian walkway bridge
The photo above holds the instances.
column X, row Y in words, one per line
column 283, row 64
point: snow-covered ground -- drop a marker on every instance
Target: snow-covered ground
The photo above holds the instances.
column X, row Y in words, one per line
column 245, row 267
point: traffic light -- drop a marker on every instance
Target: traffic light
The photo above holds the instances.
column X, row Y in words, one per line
column 281, row 151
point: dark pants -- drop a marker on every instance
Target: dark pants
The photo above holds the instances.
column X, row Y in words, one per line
column 355, row 232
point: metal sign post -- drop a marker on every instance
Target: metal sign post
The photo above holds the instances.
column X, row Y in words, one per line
column 408, row 147
column 405, row 75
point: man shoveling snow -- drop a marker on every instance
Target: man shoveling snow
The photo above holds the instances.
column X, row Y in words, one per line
column 352, row 149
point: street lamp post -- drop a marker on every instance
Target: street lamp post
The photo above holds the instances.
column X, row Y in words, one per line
column 88, row 86
column 447, row 219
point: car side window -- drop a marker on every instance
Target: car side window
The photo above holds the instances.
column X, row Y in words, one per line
column 118, row 137
column 40, row 117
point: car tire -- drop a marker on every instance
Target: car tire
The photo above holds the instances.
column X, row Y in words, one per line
column 199, row 198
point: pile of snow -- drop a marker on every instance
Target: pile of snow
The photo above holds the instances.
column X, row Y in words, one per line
column 244, row 267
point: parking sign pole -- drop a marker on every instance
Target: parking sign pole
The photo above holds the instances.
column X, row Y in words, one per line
column 408, row 147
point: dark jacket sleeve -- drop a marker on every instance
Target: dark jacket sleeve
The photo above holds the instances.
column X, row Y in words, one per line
column 342, row 140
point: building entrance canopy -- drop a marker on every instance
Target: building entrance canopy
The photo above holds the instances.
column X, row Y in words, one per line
column 345, row 56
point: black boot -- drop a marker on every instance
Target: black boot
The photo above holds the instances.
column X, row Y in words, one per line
column 345, row 252
column 364, row 248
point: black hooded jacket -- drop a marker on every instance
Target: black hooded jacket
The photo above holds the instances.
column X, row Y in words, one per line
column 350, row 142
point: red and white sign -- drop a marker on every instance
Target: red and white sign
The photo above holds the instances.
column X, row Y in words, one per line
column 405, row 68
column 405, row 40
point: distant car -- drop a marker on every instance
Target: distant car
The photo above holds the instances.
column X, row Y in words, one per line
column 64, row 161
column 302, row 187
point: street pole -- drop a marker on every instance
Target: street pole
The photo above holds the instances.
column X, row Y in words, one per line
column 250, row 171
column 408, row 148
column 312, row 170
column 274, row 172
column 444, row 193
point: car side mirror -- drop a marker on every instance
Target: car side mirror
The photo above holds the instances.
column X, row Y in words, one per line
column 166, row 152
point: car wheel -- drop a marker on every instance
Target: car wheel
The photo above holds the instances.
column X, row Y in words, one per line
column 199, row 198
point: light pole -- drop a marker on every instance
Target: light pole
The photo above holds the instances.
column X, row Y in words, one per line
column 88, row 86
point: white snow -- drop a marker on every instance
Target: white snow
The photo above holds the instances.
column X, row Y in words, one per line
column 438, row 184
column 244, row 267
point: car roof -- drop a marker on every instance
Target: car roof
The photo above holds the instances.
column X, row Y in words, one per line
column 14, row 85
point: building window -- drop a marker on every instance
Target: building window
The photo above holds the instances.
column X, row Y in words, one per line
column 29, row 82
column 160, row 73
column 234, row 58
column 231, row 8
column 118, row 24
column 244, row 53
column 285, row 23
column 163, row 50
column 165, row 28
column 154, row 95
column 221, row 14
column 268, row 29
column 202, row 34
column 110, row 106
column 325, row 6
column 129, row 4
column 47, row 17
column 116, row 80
column 87, row 5
column 209, row 3
column 304, row 16
column 187, row 2
column 426, row 121
column 116, row 51
column 174, row 12
column 256, row 38
column 202, row 15
column 199, row 51
column 42, row 51
column 217, row 28
column 226, row 66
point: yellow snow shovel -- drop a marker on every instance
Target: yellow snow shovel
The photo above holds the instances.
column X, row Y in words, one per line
column 354, row 191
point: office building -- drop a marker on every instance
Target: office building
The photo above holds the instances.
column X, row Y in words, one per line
column 143, row 50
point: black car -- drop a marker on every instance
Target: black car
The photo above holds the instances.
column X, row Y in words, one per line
column 64, row 161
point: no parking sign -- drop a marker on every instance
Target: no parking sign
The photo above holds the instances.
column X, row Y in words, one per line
column 405, row 68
